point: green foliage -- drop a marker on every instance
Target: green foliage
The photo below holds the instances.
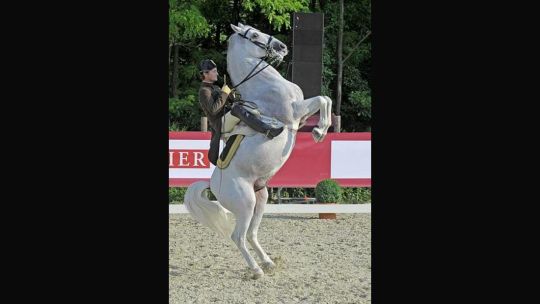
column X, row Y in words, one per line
column 176, row 195
column 360, row 105
column 356, row 195
column 186, row 21
column 185, row 112
column 210, row 195
column 277, row 11
column 200, row 29
column 349, row 195
column 356, row 93
column 299, row 192
column 328, row 191
column 291, row 193
column 328, row 72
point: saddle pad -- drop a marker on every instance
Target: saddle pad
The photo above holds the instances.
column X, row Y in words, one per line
column 230, row 149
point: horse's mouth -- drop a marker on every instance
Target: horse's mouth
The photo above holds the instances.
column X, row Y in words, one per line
column 277, row 56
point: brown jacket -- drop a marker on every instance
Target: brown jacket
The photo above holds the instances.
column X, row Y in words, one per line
column 212, row 101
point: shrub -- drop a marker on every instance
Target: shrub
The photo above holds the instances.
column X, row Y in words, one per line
column 328, row 191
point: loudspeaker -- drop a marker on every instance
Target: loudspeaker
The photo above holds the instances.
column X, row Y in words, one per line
column 307, row 44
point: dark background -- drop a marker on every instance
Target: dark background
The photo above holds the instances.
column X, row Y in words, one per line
column 85, row 153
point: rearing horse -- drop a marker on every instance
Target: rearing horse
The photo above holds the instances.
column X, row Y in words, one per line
column 241, row 187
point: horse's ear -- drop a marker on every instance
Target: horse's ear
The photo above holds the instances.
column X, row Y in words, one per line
column 236, row 28
column 240, row 25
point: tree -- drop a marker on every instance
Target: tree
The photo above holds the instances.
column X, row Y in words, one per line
column 185, row 24
column 199, row 29
column 355, row 67
column 277, row 12
column 340, row 65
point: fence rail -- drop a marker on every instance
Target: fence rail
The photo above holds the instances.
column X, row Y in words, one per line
column 297, row 208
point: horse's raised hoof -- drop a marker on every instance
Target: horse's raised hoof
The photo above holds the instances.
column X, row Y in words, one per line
column 317, row 134
column 257, row 273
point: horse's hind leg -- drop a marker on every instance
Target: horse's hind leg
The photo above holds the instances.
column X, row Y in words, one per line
column 243, row 219
column 262, row 198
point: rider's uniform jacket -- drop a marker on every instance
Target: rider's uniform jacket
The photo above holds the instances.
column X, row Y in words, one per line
column 213, row 102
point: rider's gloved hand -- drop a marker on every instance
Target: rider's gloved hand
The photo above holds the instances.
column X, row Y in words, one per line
column 226, row 89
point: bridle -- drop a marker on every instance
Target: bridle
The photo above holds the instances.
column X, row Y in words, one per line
column 263, row 46
column 266, row 47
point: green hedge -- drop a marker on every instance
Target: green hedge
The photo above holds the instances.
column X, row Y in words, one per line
column 356, row 195
column 176, row 195
column 349, row 195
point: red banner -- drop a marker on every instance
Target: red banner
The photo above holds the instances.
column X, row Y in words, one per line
column 345, row 157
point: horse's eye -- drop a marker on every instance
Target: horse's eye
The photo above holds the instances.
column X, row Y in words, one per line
column 255, row 35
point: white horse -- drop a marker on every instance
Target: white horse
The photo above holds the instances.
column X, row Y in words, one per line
column 241, row 187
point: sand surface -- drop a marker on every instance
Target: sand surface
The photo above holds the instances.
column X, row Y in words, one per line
column 319, row 261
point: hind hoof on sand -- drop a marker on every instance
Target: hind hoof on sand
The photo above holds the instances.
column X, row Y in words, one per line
column 257, row 273
column 268, row 266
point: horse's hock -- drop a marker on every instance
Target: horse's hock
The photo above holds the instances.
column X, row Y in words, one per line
column 313, row 120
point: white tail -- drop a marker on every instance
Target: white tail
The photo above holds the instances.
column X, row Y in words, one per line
column 207, row 212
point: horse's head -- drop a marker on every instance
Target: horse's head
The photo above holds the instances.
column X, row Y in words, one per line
column 261, row 44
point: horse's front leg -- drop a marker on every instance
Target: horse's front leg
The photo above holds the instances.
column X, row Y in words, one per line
column 305, row 108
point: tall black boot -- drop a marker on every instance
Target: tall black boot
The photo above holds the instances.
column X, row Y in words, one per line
column 254, row 122
column 213, row 153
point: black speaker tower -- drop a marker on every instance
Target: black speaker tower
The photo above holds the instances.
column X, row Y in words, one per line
column 307, row 37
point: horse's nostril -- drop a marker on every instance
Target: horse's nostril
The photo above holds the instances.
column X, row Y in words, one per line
column 282, row 46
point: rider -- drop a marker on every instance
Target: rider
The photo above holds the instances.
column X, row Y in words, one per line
column 214, row 102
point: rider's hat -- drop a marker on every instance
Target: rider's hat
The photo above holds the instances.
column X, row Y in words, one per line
column 207, row 65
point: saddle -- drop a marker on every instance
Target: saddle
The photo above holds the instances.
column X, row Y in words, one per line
column 229, row 151
column 233, row 132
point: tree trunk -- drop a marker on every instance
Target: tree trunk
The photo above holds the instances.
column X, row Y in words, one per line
column 340, row 59
column 169, row 67
column 218, row 34
column 236, row 12
column 175, row 72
